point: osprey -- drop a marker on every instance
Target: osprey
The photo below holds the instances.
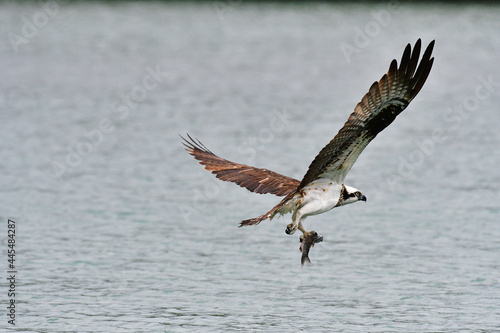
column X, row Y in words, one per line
column 322, row 188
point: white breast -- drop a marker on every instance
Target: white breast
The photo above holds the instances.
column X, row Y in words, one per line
column 320, row 196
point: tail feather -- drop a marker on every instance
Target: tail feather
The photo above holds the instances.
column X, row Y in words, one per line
column 255, row 220
column 270, row 214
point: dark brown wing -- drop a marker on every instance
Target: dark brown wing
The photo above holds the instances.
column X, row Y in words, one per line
column 253, row 179
column 379, row 107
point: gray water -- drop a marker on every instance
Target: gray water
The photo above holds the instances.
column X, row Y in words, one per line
column 120, row 230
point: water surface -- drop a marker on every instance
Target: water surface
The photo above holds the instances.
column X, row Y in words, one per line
column 132, row 235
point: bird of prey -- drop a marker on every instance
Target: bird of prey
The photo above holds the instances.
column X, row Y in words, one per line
column 322, row 188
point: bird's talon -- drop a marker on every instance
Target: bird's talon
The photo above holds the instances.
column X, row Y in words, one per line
column 290, row 229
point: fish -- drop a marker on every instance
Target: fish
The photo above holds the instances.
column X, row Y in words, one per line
column 307, row 240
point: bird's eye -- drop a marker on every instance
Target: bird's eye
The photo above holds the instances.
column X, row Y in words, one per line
column 357, row 193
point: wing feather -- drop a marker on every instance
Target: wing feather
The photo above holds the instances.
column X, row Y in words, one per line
column 385, row 100
column 253, row 179
column 414, row 60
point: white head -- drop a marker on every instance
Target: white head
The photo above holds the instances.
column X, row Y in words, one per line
column 350, row 195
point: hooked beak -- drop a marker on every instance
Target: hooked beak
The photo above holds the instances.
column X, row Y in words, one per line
column 362, row 198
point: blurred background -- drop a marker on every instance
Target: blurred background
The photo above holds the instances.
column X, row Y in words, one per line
column 120, row 230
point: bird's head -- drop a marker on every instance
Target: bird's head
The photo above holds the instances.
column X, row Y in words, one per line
column 350, row 195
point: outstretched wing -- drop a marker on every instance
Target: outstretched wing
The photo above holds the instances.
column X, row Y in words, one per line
column 379, row 107
column 253, row 179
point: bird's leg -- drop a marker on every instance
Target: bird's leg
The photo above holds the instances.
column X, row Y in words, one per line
column 292, row 227
column 301, row 228
column 305, row 233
